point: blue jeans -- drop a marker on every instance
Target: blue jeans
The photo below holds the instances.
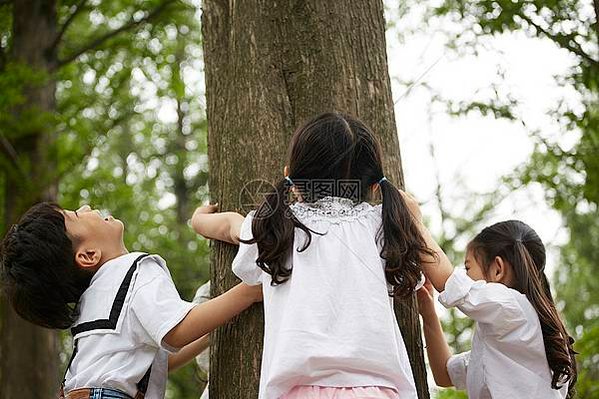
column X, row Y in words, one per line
column 107, row 393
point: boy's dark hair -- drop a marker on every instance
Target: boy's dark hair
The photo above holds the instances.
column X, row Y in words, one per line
column 38, row 272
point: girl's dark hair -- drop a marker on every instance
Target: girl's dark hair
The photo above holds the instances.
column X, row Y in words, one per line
column 518, row 244
column 341, row 153
column 38, row 273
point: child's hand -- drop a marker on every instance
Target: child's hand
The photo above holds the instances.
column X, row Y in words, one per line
column 413, row 205
column 210, row 208
column 211, row 224
column 426, row 300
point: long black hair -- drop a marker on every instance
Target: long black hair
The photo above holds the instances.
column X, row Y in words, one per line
column 334, row 147
column 518, row 244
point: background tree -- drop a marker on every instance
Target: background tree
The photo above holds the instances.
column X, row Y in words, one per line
column 101, row 103
column 281, row 64
column 120, row 126
column 22, row 143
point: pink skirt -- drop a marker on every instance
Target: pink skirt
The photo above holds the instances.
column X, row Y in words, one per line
column 318, row 392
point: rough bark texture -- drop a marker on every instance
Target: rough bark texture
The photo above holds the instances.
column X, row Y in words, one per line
column 29, row 366
column 596, row 6
column 270, row 66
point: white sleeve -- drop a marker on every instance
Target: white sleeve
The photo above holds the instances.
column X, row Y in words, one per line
column 457, row 368
column 158, row 307
column 492, row 304
column 244, row 265
column 202, row 294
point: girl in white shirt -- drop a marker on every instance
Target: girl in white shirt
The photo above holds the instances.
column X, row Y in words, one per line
column 520, row 347
column 329, row 261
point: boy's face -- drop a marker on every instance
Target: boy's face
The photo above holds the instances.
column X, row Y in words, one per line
column 96, row 239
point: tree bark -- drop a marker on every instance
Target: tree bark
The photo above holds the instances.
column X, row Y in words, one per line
column 269, row 66
column 29, row 366
column 596, row 7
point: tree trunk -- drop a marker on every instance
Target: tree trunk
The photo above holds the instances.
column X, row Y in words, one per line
column 596, row 6
column 29, row 367
column 269, row 66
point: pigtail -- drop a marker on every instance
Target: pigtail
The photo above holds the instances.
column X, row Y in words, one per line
column 403, row 243
column 531, row 281
column 273, row 227
column 338, row 148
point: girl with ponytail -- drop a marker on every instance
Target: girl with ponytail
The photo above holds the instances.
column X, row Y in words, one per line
column 520, row 347
column 330, row 263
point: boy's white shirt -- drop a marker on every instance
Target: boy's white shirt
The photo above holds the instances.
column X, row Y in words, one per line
column 332, row 324
column 508, row 358
column 119, row 357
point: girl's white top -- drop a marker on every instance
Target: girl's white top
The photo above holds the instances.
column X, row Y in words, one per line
column 332, row 323
column 508, row 358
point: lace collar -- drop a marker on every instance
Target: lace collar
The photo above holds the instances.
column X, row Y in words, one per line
column 331, row 209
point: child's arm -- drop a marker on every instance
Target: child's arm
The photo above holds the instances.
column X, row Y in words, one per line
column 436, row 347
column 209, row 315
column 188, row 352
column 223, row 226
column 437, row 268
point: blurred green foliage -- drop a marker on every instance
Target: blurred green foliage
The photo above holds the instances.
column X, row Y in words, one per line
column 451, row 394
column 130, row 128
column 569, row 173
column 131, row 138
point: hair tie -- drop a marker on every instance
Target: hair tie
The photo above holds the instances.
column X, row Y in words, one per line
column 382, row 180
column 289, row 181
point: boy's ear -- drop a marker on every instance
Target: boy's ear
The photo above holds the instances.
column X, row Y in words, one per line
column 286, row 171
column 88, row 258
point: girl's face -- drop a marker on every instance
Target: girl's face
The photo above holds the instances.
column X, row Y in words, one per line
column 474, row 269
column 498, row 271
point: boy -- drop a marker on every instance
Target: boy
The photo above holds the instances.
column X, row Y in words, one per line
column 62, row 269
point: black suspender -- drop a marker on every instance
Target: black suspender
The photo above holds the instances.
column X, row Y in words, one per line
column 117, row 305
column 64, row 377
column 142, row 385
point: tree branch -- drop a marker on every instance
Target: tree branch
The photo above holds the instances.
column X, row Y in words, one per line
column 11, row 154
column 89, row 148
column 102, row 39
column 67, row 23
column 562, row 43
